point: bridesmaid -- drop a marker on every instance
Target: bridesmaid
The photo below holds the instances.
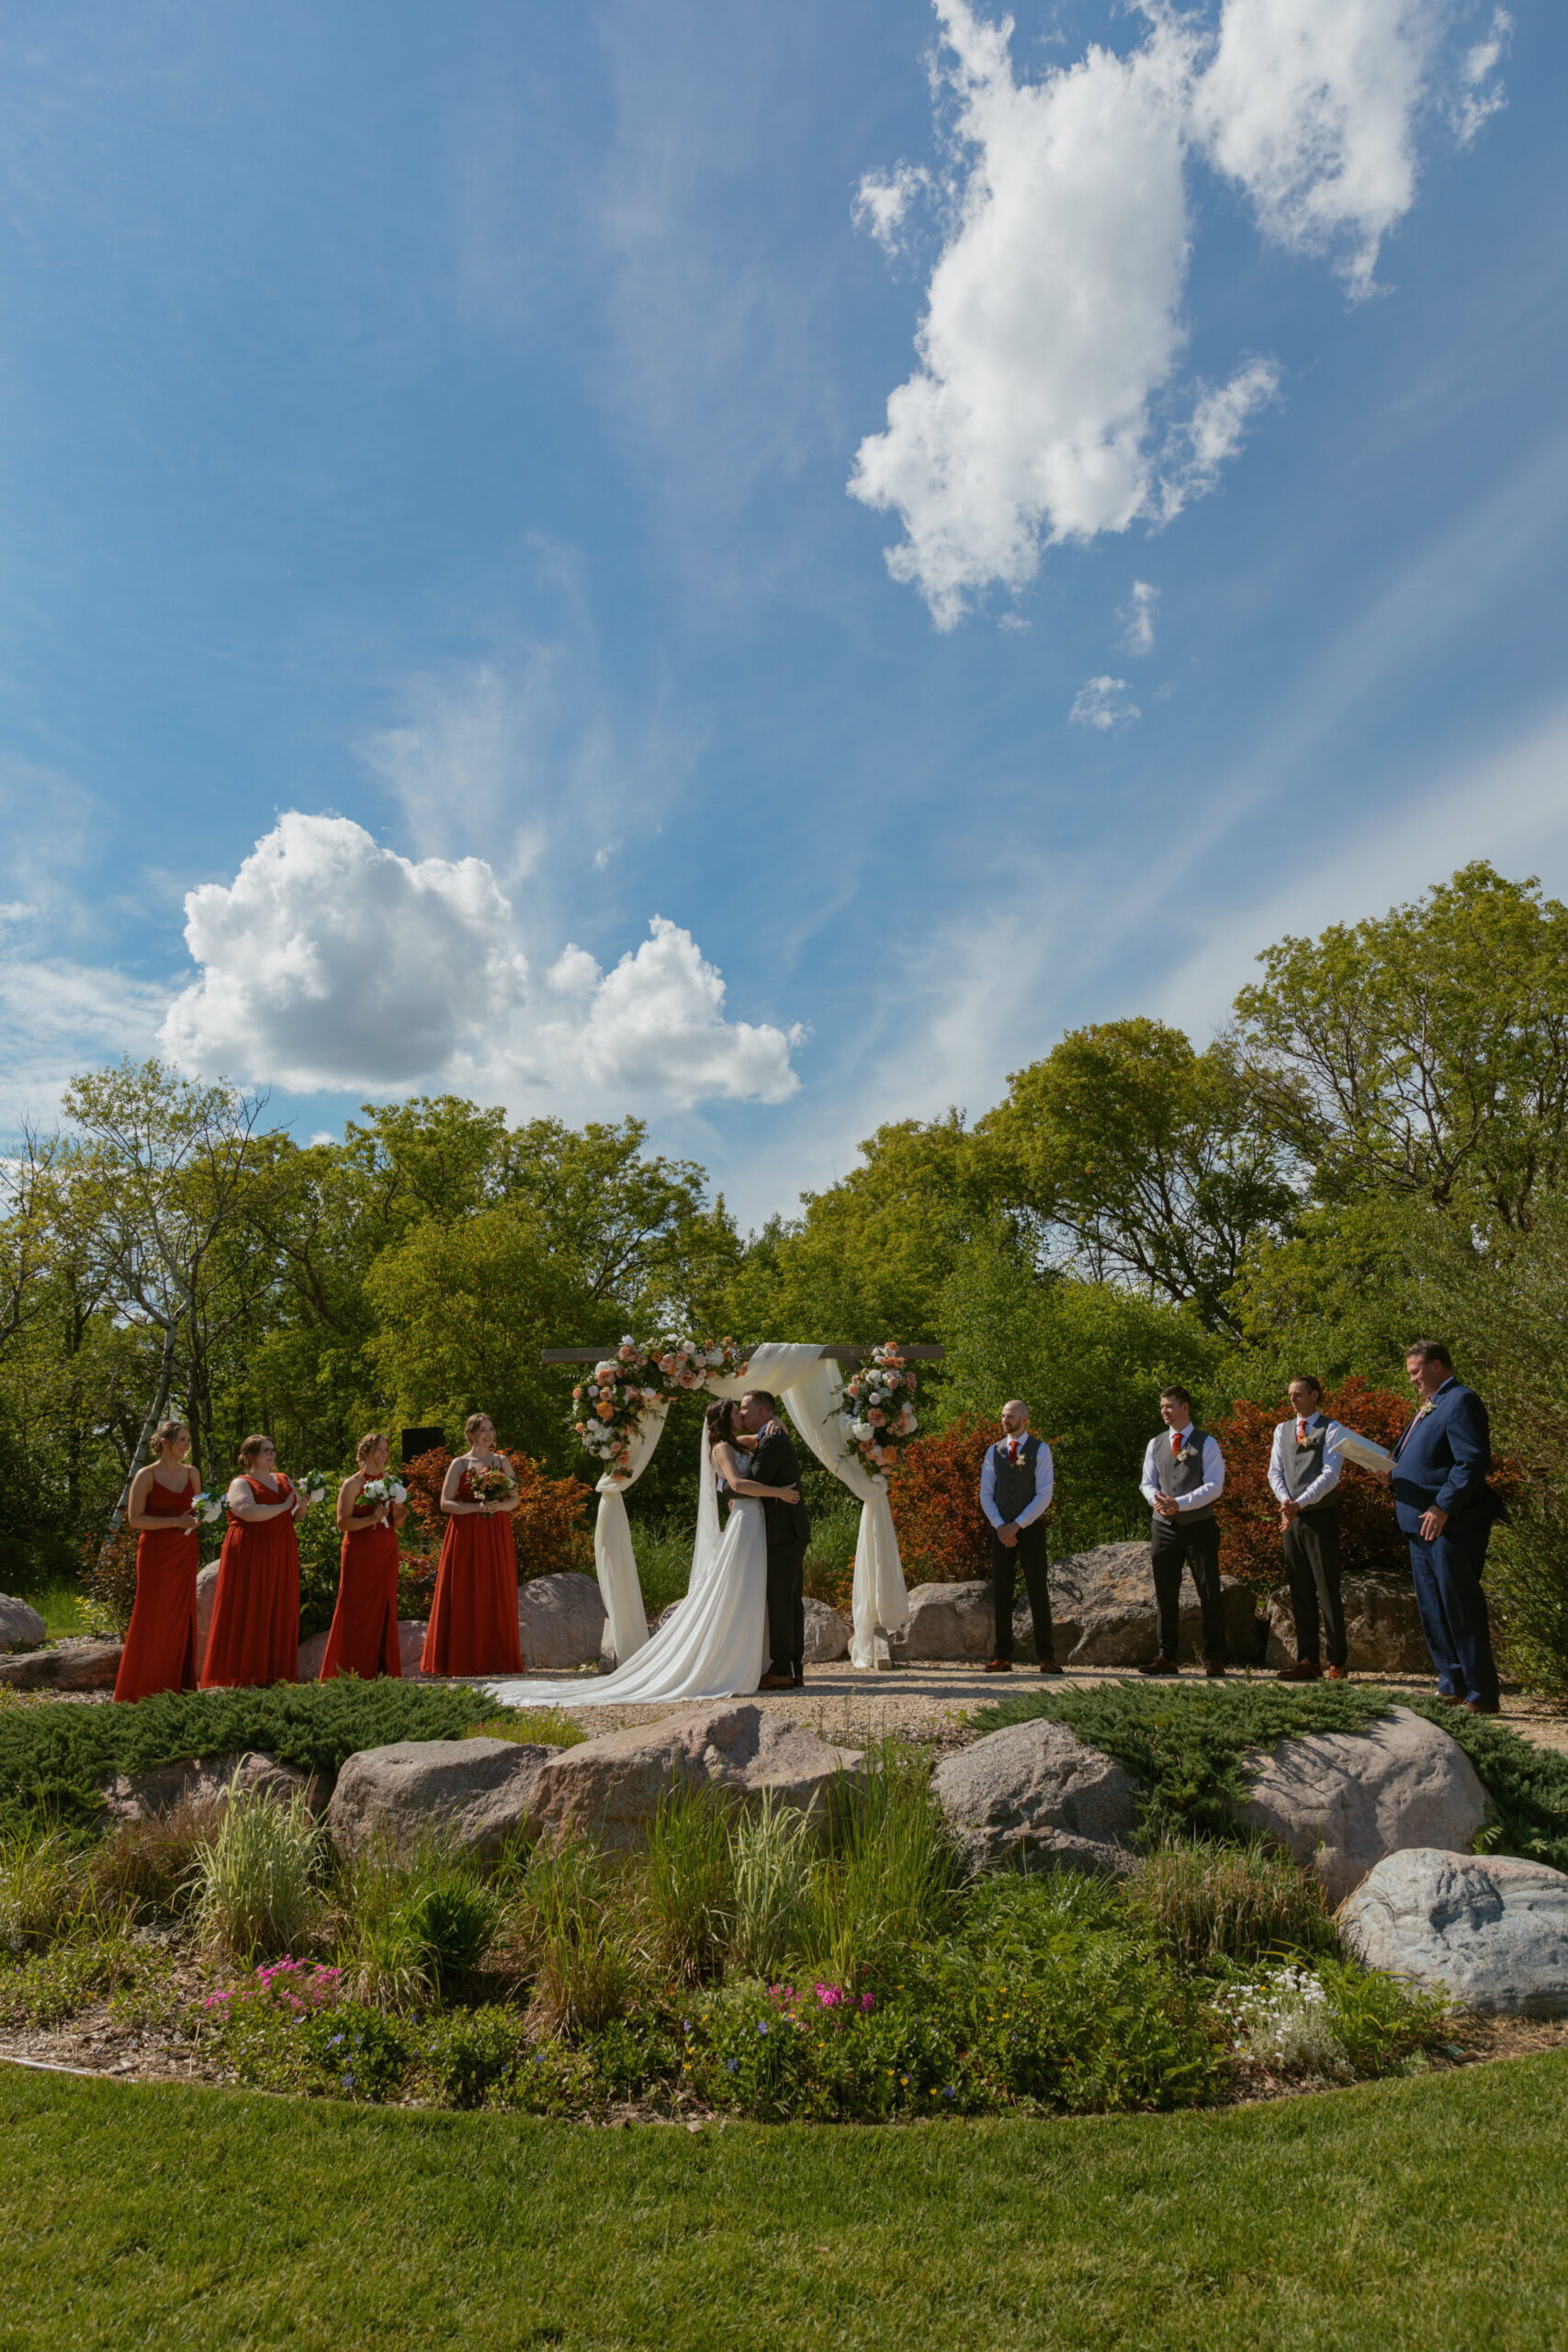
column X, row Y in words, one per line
column 473, row 1618
column 363, row 1638
column 159, row 1648
column 256, row 1610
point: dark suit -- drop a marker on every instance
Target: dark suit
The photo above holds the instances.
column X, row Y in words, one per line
column 775, row 1464
column 1441, row 1463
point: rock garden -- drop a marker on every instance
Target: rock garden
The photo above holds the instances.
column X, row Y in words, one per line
column 1101, row 1898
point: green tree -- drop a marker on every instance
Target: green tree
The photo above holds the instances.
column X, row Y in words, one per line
column 1130, row 1155
column 1423, row 1053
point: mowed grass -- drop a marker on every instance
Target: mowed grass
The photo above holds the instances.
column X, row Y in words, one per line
column 1424, row 2212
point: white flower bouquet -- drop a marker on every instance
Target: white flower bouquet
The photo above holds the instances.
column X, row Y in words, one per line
column 879, row 1417
column 210, row 1507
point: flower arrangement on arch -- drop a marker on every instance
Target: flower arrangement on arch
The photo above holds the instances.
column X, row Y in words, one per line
column 608, row 1406
column 879, row 1414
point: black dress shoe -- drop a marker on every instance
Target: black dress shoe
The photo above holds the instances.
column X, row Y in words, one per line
column 799, row 1682
column 1160, row 1666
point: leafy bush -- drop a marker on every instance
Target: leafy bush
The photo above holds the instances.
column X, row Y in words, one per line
column 255, row 1879
column 1283, row 2025
column 1370, row 1540
column 473, row 2056
column 943, row 1535
column 411, row 1921
column 108, row 1580
column 1204, row 1901
column 53, row 1755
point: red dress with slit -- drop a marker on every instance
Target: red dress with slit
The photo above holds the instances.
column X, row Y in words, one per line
column 363, row 1638
column 254, row 1636
column 473, row 1618
column 160, row 1648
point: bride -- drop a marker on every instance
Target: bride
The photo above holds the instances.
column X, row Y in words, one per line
column 715, row 1646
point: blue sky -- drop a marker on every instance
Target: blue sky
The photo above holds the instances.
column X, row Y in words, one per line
column 428, row 554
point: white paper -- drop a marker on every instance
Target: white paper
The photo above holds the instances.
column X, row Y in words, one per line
column 1362, row 1451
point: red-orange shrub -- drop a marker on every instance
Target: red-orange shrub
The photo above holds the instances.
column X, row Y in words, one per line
column 943, row 1535
column 1370, row 1540
column 549, row 1529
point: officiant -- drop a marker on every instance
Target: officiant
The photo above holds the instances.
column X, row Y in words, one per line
column 1304, row 1475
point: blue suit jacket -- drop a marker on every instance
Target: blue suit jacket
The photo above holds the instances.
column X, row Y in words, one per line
column 1442, row 1462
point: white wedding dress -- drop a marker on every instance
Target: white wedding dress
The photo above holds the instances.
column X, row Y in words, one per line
column 715, row 1646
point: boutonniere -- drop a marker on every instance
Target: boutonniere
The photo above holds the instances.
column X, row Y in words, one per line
column 1189, row 1453
column 1422, row 1410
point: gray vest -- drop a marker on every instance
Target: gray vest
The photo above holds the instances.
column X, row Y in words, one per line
column 1300, row 1464
column 1014, row 1483
column 1180, row 1476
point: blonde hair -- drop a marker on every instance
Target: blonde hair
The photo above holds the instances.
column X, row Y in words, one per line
column 474, row 1423
column 251, row 1448
column 370, row 1442
column 166, row 1432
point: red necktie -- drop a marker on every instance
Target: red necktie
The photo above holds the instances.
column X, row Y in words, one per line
column 1176, row 1442
column 1013, row 1456
column 1301, row 1433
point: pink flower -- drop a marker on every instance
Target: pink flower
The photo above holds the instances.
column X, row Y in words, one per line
column 876, row 1417
column 666, row 1363
column 868, row 2001
column 689, row 1380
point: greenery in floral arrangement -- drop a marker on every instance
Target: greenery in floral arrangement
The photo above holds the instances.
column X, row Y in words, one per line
column 54, row 1755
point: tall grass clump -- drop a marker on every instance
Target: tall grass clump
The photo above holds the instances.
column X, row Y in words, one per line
column 688, row 1884
column 1204, row 1901
column 565, row 1932
column 891, row 1877
column 772, row 1851
column 254, row 1878
column 42, row 1885
column 149, row 1865
column 412, row 1922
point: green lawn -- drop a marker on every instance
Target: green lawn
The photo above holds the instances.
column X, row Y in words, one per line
column 1426, row 2212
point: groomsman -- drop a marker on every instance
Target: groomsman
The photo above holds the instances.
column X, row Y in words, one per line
column 1447, row 1509
column 1184, row 1475
column 1016, row 1481
column 1303, row 1472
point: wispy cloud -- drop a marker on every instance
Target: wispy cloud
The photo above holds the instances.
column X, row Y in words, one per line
column 1137, row 619
column 1102, row 704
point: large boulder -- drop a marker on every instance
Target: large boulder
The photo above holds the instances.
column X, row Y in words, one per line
column 1103, row 1610
column 1488, row 1929
column 73, row 1665
column 612, row 1787
column 1036, row 1797
column 951, row 1622
column 470, row 1794
column 1383, row 1628
column 828, row 1633
column 560, row 1622
column 21, row 1628
column 208, row 1781
column 1342, row 1802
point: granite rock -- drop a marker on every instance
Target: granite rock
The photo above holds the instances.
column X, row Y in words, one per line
column 21, row 1627
column 611, row 1787
column 1489, row 1930
column 471, row 1793
column 1036, row 1797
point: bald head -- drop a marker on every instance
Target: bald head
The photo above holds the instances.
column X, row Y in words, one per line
column 1015, row 1417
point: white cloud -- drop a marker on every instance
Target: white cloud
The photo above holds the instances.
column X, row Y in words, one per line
column 1104, row 703
column 1052, row 329
column 1137, row 619
column 330, row 962
column 1479, row 94
column 883, row 198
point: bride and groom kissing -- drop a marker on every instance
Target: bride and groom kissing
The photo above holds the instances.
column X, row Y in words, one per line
column 753, row 1457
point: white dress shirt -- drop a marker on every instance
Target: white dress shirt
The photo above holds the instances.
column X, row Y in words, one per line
column 1213, row 1471
column 1328, row 1477
column 1044, row 1480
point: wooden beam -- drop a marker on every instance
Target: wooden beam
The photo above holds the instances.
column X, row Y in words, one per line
column 921, row 1354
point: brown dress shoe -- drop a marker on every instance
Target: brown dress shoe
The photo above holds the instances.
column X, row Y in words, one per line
column 1214, row 1668
column 1160, row 1664
column 1335, row 1674
column 999, row 1666
column 1475, row 1707
column 1305, row 1669
column 1048, row 1666
column 776, row 1682
column 1450, row 1699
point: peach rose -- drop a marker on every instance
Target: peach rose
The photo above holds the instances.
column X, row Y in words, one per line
column 606, row 1412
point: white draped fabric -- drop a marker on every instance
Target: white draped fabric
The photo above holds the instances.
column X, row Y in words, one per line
column 811, row 1388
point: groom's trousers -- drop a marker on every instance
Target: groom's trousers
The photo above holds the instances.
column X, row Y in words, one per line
column 1028, row 1554
column 787, row 1608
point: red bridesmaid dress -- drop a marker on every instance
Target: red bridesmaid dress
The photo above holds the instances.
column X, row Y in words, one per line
column 473, row 1618
column 254, row 1636
column 363, row 1638
column 159, row 1648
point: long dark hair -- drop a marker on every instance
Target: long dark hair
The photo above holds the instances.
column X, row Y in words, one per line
column 720, row 1419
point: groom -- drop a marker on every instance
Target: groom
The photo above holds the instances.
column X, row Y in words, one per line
column 789, row 1528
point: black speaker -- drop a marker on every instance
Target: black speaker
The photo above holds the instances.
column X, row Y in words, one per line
column 418, row 1442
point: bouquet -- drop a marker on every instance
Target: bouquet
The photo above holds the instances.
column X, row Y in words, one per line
column 878, row 1415
column 312, row 1487
column 375, row 1491
column 491, row 1485
column 607, row 1408
column 687, row 1363
column 210, row 1507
